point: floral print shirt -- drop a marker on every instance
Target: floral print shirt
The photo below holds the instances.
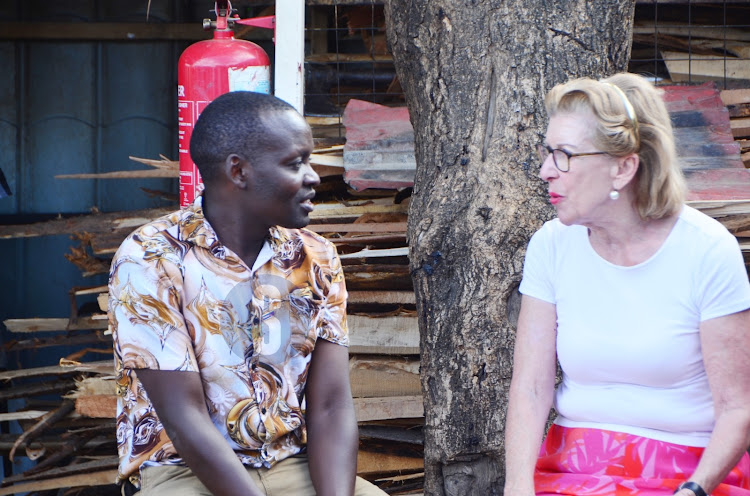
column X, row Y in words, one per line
column 180, row 300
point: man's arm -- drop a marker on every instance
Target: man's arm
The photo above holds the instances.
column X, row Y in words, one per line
column 179, row 402
column 332, row 435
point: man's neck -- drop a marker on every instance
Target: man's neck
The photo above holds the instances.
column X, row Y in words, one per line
column 234, row 231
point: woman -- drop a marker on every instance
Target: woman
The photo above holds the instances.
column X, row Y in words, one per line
column 643, row 300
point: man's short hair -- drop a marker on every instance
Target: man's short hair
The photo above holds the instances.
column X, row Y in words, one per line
column 232, row 123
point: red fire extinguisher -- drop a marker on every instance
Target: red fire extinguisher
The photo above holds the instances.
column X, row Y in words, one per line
column 211, row 68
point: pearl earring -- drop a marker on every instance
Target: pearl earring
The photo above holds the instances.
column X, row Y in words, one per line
column 614, row 194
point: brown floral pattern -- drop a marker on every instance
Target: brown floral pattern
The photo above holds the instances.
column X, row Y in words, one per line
column 180, row 300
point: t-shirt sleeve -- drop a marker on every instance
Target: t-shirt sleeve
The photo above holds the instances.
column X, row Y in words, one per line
column 332, row 324
column 148, row 328
column 723, row 286
column 537, row 278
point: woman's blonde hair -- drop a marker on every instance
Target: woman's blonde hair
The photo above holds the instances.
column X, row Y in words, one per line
column 631, row 118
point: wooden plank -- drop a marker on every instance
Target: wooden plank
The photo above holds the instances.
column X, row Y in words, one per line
column 97, row 405
column 89, row 290
column 383, row 297
column 25, row 415
column 101, row 367
column 720, row 208
column 328, row 160
column 740, row 127
column 735, row 97
column 91, row 223
column 132, row 174
column 693, row 31
column 370, row 463
column 379, row 376
column 363, row 227
column 375, row 239
column 399, row 407
column 683, row 67
column 101, row 478
column 53, row 324
column 394, row 335
column 718, row 184
column 367, row 253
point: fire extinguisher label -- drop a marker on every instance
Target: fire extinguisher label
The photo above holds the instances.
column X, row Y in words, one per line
column 253, row 78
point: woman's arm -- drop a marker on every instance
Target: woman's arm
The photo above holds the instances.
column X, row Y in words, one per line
column 725, row 344
column 531, row 392
column 332, row 435
column 178, row 399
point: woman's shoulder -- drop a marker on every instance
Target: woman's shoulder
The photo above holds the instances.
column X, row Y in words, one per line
column 699, row 225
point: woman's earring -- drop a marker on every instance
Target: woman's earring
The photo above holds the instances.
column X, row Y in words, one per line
column 614, row 194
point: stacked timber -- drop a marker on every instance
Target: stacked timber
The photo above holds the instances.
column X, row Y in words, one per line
column 72, row 437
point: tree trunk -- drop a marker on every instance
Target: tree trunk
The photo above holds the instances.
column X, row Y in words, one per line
column 475, row 74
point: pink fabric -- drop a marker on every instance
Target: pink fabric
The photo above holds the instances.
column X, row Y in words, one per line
column 593, row 462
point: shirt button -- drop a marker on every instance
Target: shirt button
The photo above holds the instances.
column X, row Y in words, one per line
column 263, row 411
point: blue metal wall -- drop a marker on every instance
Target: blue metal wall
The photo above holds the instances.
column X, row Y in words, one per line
column 74, row 107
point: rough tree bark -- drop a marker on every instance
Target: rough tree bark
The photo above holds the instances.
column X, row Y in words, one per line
column 475, row 74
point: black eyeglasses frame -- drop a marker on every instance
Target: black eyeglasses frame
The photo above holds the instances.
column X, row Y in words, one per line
column 542, row 148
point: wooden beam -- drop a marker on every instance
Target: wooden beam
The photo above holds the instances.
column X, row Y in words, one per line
column 399, row 407
column 383, row 297
column 367, row 253
column 379, row 376
column 694, row 31
column 25, row 415
column 682, row 66
column 53, row 324
column 131, row 174
column 101, row 367
column 371, row 463
column 395, row 335
column 741, row 127
column 735, row 97
column 101, row 478
column 91, row 223
column 363, row 227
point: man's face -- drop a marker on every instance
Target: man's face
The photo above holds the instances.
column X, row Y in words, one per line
column 283, row 181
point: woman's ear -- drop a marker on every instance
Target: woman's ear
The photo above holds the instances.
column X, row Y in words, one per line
column 625, row 170
column 237, row 170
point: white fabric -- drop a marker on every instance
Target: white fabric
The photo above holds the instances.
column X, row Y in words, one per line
column 627, row 337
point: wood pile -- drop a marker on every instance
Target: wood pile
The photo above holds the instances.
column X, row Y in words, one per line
column 72, row 438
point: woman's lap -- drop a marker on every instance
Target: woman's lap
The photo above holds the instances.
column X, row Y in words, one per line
column 593, row 462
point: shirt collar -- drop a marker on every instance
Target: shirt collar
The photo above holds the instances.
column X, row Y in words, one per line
column 196, row 229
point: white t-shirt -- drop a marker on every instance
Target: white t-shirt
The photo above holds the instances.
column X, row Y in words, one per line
column 627, row 337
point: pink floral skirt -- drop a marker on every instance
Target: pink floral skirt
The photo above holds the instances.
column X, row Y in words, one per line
column 593, row 462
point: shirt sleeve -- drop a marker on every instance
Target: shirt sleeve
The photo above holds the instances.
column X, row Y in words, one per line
column 332, row 320
column 148, row 327
column 537, row 278
column 723, row 286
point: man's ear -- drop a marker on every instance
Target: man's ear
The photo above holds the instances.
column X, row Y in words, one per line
column 624, row 172
column 237, row 170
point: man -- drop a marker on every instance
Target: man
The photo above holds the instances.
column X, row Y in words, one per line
column 229, row 325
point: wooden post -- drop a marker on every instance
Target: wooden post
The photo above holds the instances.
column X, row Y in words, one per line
column 289, row 63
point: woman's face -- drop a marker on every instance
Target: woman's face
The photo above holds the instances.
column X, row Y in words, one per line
column 581, row 195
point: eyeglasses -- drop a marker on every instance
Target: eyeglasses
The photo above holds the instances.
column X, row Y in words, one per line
column 560, row 157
